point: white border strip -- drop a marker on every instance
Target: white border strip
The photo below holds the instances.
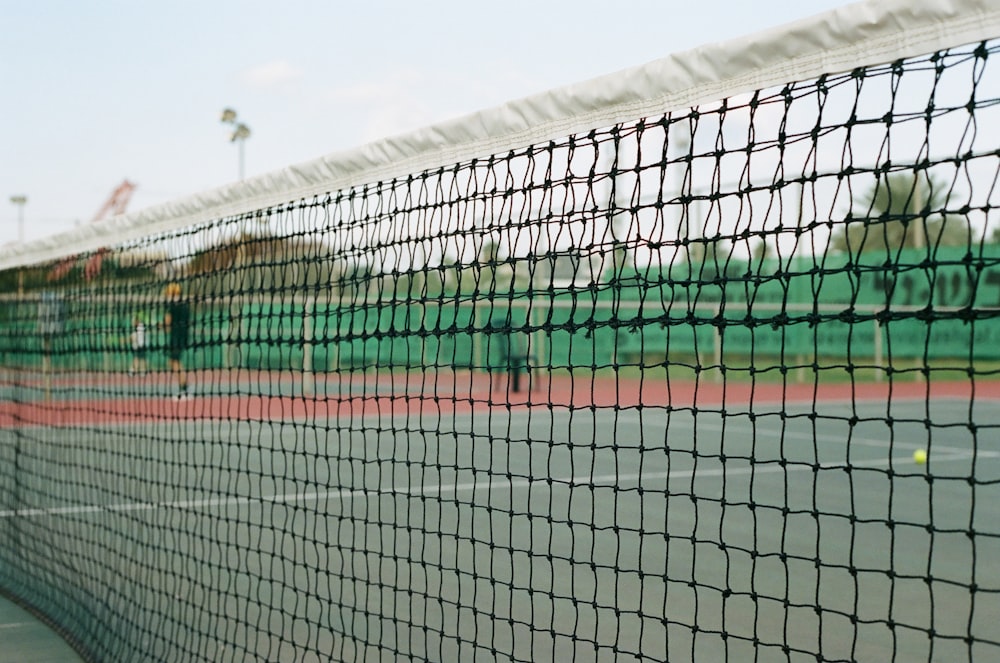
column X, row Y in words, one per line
column 504, row 483
column 864, row 33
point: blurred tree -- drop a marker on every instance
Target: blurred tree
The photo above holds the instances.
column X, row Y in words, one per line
column 763, row 250
column 901, row 210
column 621, row 264
column 248, row 262
column 487, row 262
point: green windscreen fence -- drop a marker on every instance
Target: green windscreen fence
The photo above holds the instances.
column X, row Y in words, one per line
column 639, row 315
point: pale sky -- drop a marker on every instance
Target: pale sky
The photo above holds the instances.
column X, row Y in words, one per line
column 102, row 91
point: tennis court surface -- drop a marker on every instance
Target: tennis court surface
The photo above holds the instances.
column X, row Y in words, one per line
column 666, row 376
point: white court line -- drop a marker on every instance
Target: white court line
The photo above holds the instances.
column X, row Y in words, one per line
column 14, row 625
column 827, row 437
column 496, row 483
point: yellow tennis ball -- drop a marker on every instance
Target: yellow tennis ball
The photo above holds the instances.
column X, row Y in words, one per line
column 919, row 456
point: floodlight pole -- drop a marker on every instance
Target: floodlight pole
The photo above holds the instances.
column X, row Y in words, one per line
column 239, row 136
column 20, row 202
column 242, row 147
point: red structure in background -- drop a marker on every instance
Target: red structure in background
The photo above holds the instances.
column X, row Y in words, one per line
column 115, row 205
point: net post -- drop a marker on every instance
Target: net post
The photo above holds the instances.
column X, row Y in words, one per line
column 421, row 329
column 308, row 378
column 231, row 354
column 717, row 347
column 879, row 366
column 47, row 367
column 544, row 351
column 534, row 343
column 798, row 333
column 477, row 339
column 333, row 358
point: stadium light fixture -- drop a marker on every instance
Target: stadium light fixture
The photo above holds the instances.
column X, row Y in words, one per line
column 239, row 135
column 20, row 201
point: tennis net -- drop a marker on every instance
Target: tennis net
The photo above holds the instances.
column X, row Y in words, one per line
column 707, row 368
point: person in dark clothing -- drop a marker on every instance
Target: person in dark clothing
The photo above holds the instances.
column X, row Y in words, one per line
column 512, row 357
column 177, row 323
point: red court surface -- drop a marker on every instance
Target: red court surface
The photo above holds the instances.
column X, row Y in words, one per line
column 349, row 396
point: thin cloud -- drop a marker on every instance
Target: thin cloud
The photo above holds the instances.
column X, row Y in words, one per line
column 408, row 98
column 271, row 74
column 363, row 92
column 391, row 86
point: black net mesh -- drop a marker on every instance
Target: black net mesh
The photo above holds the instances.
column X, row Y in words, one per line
column 717, row 385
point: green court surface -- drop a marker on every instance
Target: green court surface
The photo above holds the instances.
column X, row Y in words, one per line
column 535, row 534
column 27, row 640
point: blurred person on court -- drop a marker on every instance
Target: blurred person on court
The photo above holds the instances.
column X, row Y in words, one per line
column 512, row 355
column 138, row 342
column 177, row 323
